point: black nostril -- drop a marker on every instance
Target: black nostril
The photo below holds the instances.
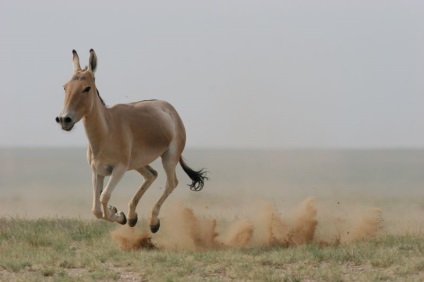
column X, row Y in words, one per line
column 57, row 119
column 67, row 120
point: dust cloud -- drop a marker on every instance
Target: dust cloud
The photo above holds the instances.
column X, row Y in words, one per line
column 368, row 226
column 129, row 240
column 182, row 229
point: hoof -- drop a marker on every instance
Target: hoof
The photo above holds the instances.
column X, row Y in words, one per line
column 124, row 220
column 112, row 209
column 155, row 228
column 133, row 221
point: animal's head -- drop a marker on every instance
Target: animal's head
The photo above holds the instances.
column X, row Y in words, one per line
column 80, row 92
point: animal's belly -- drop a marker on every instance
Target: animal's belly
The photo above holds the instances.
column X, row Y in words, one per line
column 105, row 163
column 141, row 160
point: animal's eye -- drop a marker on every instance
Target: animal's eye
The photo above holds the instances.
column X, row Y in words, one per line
column 86, row 89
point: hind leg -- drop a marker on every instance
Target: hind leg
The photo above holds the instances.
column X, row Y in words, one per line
column 169, row 165
column 149, row 175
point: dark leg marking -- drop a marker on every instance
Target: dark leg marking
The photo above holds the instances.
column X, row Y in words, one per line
column 113, row 209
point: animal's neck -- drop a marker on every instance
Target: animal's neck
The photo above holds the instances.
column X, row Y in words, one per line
column 96, row 125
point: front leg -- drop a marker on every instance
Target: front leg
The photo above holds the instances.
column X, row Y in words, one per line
column 97, row 189
column 110, row 213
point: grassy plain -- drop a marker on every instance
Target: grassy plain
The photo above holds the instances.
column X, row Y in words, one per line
column 368, row 205
column 82, row 250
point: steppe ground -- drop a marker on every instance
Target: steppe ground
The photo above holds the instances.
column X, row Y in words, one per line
column 302, row 215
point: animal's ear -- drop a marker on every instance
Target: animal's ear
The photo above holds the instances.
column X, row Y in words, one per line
column 92, row 63
column 75, row 61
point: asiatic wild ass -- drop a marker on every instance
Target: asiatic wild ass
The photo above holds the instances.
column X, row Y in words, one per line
column 125, row 137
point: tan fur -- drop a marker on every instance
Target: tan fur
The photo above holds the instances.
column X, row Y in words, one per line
column 121, row 138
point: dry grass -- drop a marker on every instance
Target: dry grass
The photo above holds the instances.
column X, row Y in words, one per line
column 71, row 249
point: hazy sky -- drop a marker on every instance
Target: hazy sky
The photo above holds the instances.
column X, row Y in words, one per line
column 289, row 74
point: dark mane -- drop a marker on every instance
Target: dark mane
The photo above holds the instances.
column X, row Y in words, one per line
column 101, row 100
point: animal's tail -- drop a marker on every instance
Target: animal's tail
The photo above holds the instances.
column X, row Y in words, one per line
column 198, row 177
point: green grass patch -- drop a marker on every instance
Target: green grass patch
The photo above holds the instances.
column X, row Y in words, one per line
column 71, row 249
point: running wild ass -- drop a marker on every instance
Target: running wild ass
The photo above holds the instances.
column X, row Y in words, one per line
column 125, row 137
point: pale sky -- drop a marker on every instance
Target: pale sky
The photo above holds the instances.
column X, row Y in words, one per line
column 242, row 74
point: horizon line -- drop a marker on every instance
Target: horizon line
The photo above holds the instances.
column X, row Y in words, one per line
column 271, row 148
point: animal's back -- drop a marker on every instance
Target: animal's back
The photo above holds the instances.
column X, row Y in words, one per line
column 159, row 113
column 155, row 127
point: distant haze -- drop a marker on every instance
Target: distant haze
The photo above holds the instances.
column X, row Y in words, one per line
column 242, row 74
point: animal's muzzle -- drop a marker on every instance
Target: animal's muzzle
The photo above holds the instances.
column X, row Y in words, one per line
column 66, row 122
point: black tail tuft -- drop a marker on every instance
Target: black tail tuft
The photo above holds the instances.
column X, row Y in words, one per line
column 198, row 177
